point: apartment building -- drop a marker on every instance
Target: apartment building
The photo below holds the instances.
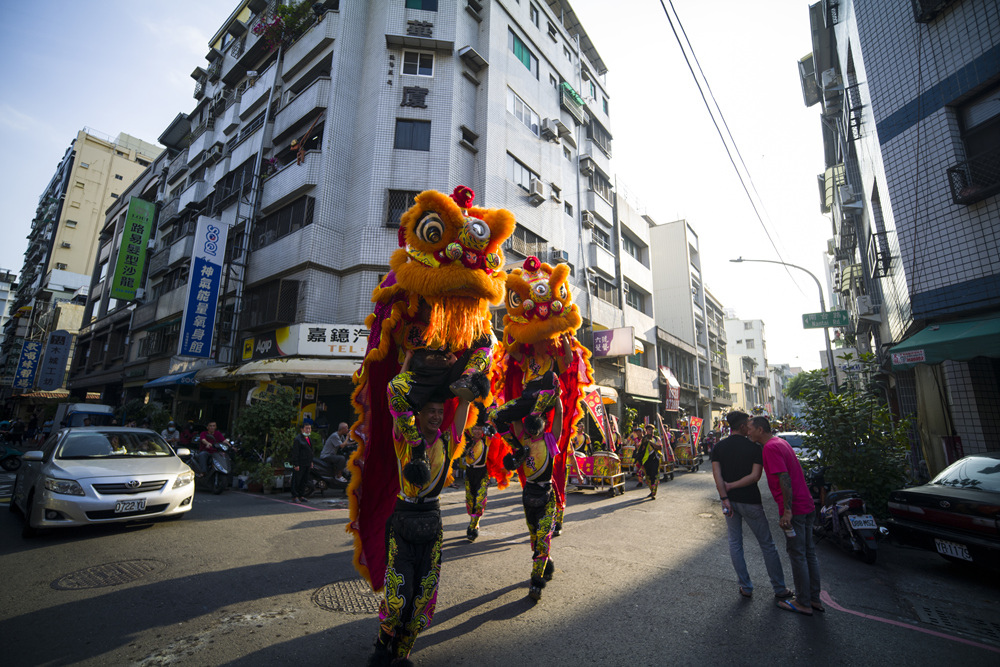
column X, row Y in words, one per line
column 63, row 240
column 911, row 127
column 745, row 340
column 305, row 146
column 8, row 286
column 721, row 398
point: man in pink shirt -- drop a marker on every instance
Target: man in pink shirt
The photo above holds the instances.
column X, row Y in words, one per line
column 788, row 486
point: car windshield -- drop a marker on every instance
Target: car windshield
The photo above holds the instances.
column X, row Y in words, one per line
column 972, row 472
column 94, row 444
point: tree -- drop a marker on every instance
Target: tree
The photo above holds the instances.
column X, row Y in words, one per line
column 267, row 426
column 805, row 381
column 863, row 447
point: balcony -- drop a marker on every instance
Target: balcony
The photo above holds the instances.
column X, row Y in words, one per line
column 596, row 203
column 319, row 37
column 602, row 259
column 974, row 180
column 158, row 262
column 724, row 398
column 256, row 95
column 571, row 101
column 143, row 315
column 245, row 149
column 194, row 194
column 169, row 210
column 204, row 136
column 316, row 96
column 230, row 119
column 180, row 249
column 171, row 303
column 291, row 181
column 178, row 167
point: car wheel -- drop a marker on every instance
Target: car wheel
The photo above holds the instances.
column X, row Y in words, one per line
column 11, row 463
column 27, row 530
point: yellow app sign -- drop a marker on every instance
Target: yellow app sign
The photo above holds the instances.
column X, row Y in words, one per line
column 248, row 349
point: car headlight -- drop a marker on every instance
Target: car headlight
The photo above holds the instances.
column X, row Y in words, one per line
column 69, row 487
column 184, row 479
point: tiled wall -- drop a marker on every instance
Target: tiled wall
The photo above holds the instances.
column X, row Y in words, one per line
column 974, row 400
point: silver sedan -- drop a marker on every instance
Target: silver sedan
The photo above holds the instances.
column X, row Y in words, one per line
column 89, row 475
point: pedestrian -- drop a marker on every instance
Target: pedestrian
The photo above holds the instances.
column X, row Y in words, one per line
column 738, row 461
column 477, row 478
column 651, row 457
column 301, row 458
column 171, row 434
column 334, row 451
column 535, row 462
column 414, row 532
column 17, row 431
column 188, row 435
column 788, row 485
column 639, row 456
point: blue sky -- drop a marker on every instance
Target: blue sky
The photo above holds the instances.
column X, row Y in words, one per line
column 124, row 66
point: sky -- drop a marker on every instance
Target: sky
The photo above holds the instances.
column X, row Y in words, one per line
column 124, row 66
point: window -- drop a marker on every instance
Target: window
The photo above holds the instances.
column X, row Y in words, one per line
column 567, row 154
column 600, row 136
column 118, row 177
column 114, row 195
column 60, row 266
column 601, row 238
column 272, row 304
column 238, row 181
column 469, row 139
column 747, row 326
column 518, row 173
column 284, row 221
column 979, row 176
column 554, row 82
column 568, row 208
column 413, row 135
column 604, row 105
column 525, row 242
column 638, row 359
column 533, row 13
column 426, row 5
column 635, row 299
column 397, row 202
column 631, row 247
column 568, row 53
column 84, row 165
column 522, row 53
column 601, row 185
column 522, row 111
column 71, row 224
column 750, row 343
column 66, row 244
column 418, row 64
column 605, row 290
column 160, row 341
column 144, row 163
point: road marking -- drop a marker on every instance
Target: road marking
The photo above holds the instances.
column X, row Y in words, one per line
column 829, row 602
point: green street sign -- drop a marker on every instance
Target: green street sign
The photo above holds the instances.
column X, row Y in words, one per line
column 832, row 318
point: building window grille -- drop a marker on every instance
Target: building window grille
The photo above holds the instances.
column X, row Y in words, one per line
column 635, row 299
column 601, row 238
column 286, row 220
column 605, row 291
column 522, row 52
column 398, row 202
column 600, row 184
column 272, row 304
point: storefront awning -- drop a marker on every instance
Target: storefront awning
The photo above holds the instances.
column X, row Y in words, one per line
column 643, row 399
column 170, row 380
column 669, row 377
column 212, row 374
column 609, row 395
column 298, row 366
column 960, row 340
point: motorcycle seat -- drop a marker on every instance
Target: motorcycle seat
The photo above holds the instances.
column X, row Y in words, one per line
column 840, row 495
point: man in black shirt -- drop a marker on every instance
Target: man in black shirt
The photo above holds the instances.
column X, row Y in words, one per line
column 735, row 458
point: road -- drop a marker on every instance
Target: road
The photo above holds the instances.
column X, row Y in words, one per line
column 253, row 579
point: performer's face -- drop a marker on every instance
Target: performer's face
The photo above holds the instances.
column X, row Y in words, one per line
column 432, row 415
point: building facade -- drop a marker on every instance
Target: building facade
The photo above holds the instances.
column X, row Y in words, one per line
column 911, row 128
column 746, row 340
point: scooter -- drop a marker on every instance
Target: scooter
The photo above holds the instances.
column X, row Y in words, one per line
column 322, row 477
column 219, row 475
column 845, row 518
column 10, row 458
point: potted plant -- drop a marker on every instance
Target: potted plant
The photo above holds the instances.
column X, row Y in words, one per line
column 267, row 428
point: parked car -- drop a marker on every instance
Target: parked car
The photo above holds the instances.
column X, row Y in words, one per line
column 106, row 474
column 796, row 440
column 956, row 514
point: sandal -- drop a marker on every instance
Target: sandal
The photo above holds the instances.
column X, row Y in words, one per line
column 784, row 596
column 792, row 605
column 746, row 593
column 818, row 607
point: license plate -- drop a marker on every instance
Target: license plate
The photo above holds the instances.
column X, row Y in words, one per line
column 862, row 521
column 126, row 506
column 952, row 549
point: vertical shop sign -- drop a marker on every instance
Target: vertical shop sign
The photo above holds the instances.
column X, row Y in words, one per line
column 27, row 365
column 132, row 251
column 204, row 282
column 52, row 371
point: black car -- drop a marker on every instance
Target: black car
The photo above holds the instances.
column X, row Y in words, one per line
column 956, row 514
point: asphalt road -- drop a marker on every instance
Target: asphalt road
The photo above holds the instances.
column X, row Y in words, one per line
column 253, row 579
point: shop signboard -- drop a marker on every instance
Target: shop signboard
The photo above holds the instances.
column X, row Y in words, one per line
column 132, row 251
column 614, row 342
column 308, row 340
column 53, row 369
column 27, row 365
column 204, row 282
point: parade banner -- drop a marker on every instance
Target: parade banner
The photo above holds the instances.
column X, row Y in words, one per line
column 596, row 408
column 204, row 283
column 673, row 399
column 668, row 450
column 695, row 426
column 132, row 251
column 53, row 369
column 27, row 365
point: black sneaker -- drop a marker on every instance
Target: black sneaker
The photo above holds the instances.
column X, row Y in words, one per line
column 535, row 592
column 557, row 531
column 550, row 569
column 471, row 534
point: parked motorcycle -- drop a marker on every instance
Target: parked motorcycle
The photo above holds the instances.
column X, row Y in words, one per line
column 219, row 475
column 845, row 518
column 10, row 458
column 322, row 476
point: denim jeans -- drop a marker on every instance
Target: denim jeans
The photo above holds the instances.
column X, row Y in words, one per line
column 802, row 554
column 753, row 515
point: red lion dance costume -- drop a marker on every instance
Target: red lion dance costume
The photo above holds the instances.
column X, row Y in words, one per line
column 538, row 363
column 429, row 343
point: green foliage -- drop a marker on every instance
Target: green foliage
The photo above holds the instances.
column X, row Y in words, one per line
column 805, row 383
column 263, row 474
column 627, row 425
column 862, row 446
column 267, row 427
column 154, row 411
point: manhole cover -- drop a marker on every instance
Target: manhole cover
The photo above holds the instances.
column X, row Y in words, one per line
column 966, row 625
column 353, row 596
column 109, row 574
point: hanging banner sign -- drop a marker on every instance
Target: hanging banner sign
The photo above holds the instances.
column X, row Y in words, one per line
column 673, row 399
column 27, row 365
column 132, row 251
column 53, row 369
column 695, row 426
column 204, row 283
column 614, row 342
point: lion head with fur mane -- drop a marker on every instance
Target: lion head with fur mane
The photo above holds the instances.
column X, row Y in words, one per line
column 539, row 304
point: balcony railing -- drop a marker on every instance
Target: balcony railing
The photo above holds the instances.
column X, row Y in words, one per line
column 855, row 107
column 976, row 179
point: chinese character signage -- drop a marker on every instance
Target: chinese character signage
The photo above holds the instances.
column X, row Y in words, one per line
column 308, row 340
column 831, row 318
column 27, row 365
column 908, row 357
column 204, row 283
column 132, row 252
column 52, row 371
column 614, row 342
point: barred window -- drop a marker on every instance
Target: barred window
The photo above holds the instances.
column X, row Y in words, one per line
column 272, row 304
column 605, row 291
column 286, row 220
column 398, row 202
column 602, row 238
column 601, row 185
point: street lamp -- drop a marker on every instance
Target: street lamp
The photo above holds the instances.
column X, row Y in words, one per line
column 822, row 307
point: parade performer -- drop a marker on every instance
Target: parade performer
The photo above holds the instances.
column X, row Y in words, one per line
column 428, row 349
column 651, row 458
column 538, row 496
column 481, row 463
column 539, row 363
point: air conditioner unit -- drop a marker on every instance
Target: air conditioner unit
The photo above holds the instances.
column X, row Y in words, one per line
column 865, row 306
column 559, row 256
column 151, row 244
column 587, row 219
column 536, row 191
column 831, row 246
column 586, row 165
column 847, row 194
column 549, row 129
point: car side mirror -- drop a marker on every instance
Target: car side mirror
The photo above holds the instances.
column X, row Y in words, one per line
column 33, row 455
column 183, row 451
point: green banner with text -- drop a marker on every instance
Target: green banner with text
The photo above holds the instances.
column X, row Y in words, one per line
column 132, row 252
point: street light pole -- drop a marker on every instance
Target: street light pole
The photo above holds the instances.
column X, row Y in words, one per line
column 822, row 306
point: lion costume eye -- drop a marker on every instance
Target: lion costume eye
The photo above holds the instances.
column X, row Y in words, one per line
column 541, row 289
column 430, row 229
column 479, row 230
column 513, row 299
column 563, row 293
